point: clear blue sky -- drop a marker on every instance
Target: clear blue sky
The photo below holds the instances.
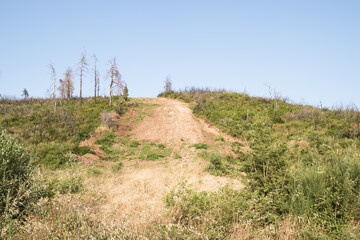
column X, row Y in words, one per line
column 307, row 50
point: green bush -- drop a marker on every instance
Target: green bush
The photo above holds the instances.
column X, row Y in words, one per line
column 106, row 142
column 17, row 187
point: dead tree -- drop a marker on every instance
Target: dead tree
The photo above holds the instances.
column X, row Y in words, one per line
column 96, row 79
column 115, row 77
column 168, row 85
column 62, row 89
column 68, row 84
column 276, row 97
column 54, row 84
column 82, row 67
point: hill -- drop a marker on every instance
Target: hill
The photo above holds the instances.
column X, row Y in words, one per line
column 197, row 164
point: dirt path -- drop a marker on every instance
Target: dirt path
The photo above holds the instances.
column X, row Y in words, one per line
column 173, row 122
column 136, row 196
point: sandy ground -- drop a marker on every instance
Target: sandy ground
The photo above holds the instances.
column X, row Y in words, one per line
column 135, row 196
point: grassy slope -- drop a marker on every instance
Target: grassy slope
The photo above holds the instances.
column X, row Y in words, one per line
column 52, row 136
column 303, row 170
column 304, row 166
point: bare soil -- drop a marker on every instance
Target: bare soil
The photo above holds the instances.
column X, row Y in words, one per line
column 173, row 122
column 135, row 196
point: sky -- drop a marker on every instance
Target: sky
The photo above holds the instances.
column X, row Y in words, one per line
column 306, row 50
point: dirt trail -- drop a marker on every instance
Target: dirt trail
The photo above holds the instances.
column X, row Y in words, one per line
column 136, row 196
column 173, row 122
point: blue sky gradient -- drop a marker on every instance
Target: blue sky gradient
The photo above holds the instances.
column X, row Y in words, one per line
column 307, row 50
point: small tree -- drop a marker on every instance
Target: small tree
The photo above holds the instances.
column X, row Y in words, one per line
column 25, row 94
column 126, row 92
column 168, row 85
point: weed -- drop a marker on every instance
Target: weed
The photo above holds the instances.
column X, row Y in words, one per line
column 134, row 143
column 200, row 145
column 161, row 146
column 219, row 138
column 93, row 171
column 117, row 167
column 82, row 150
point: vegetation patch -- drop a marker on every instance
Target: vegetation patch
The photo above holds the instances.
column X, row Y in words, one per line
column 134, row 143
column 117, row 167
column 106, row 142
column 81, row 151
column 151, row 152
column 303, row 164
column 200, row 146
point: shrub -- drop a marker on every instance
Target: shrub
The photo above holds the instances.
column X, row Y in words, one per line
column 161, row 146
column 82, row 150
column 134, row 143
column 16, row 182
column 106, row 142
column 110, row 119
column 117, row 167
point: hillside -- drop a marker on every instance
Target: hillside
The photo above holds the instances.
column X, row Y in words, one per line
column 194, row 165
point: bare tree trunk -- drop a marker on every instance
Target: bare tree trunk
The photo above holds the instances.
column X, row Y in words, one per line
column 54, row 85
column 111, row 90
column 98, row 87
column 81, row 70
column 95, row 73
column 83, row 65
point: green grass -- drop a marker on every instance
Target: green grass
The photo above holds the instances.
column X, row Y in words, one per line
column 50, row 135
column 200, row 146
column 106, row 142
